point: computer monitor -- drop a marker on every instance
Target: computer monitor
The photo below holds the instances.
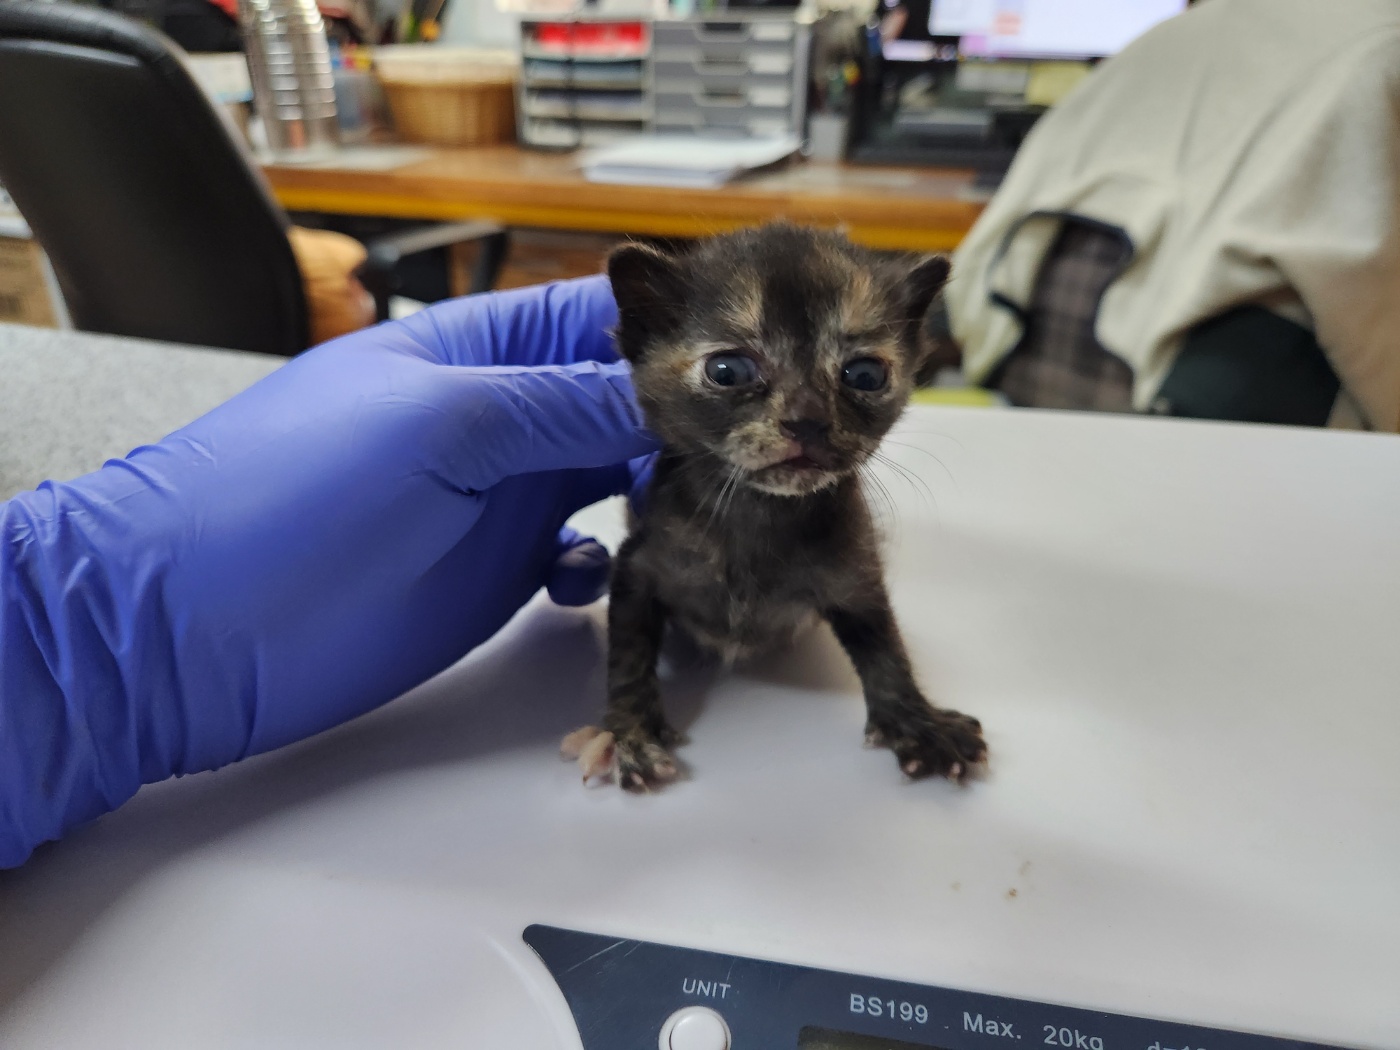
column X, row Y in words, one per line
column 1047, row 28
column 905, row 32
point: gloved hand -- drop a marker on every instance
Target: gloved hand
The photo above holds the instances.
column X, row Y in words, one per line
column 326, row 540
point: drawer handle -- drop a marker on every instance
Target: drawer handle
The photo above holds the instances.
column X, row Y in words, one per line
column 771, row 64
column 721, row 97
column 769, row 96
column 722, row 31
column 772, row 31
column 725, row 67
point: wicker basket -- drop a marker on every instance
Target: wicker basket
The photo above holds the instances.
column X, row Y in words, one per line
column 450, row 96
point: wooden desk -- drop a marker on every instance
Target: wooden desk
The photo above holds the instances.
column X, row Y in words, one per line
column 921, row 209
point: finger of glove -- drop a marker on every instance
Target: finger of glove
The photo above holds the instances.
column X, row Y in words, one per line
column 554, row 324
column 579, row 575
column 511, row 421
column 587, row 487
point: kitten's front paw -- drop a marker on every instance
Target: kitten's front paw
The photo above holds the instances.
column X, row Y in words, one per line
column 642, row 762
column 929, row 741
column 592, row 748
column 635, row 760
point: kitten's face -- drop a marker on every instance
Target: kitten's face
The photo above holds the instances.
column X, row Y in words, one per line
column 787, row 353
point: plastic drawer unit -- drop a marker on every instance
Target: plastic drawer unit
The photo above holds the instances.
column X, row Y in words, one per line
column 584, row 80
column 740, row 74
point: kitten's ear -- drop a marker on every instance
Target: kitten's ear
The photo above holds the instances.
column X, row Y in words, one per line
column 921, row 282
column 650, row 289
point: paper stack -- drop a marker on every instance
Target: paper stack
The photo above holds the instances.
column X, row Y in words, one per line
column 683, row 160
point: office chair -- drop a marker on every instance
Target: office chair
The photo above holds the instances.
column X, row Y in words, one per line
column 155, row 219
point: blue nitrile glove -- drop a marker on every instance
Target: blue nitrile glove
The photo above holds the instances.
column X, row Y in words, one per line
column 331, row 537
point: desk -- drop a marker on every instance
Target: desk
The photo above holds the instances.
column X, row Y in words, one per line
column 917, row 209
column 71, row 400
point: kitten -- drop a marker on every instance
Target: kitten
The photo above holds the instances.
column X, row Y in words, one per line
column 770, row 362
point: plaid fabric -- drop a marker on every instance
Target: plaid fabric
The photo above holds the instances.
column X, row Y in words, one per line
column 1059, row 363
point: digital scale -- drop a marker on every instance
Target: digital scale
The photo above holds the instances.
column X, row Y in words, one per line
column 1181, row 639
column 750, row 1002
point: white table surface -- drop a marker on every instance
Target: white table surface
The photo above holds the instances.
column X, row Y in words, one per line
column 1182, row 641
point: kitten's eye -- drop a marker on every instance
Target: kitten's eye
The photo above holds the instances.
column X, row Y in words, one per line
column 730, row 368
column 865, row 373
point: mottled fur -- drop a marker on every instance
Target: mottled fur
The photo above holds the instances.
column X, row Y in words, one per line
column 755, row 522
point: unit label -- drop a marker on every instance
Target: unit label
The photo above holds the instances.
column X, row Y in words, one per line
column 705, row 989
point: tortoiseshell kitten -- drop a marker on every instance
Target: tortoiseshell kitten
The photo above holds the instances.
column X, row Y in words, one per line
column 770, row 362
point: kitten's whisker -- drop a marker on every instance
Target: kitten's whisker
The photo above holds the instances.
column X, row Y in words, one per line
column 932, row 433
column 918, row 484
column 915, row 448
column 726, row 489
column 719, row 500
column 915, row 481
column 714, row 506
column 712, row 472
column 733, row 491
column 883, row 516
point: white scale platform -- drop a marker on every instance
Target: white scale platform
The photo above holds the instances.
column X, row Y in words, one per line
column 1182, row 639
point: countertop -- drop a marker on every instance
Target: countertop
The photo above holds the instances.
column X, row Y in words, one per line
column 70, row 400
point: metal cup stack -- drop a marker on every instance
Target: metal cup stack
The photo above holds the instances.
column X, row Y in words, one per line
column 290, row 64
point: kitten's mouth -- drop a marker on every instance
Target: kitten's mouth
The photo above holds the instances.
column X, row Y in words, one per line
column 803, row 457
column 803, row 471
column 795, row 476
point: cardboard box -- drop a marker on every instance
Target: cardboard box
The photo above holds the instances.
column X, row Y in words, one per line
column 26, row 292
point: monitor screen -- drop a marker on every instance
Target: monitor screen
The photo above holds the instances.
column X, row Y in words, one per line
column 906, row 33
column 1047, row 28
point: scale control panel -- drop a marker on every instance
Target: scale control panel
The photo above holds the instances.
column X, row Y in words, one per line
column 636, row 995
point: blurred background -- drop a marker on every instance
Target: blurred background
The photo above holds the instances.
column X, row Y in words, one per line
column 336, row 163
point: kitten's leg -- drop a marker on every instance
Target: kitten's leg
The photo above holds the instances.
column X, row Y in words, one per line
column 641, row 735
column 927, row 740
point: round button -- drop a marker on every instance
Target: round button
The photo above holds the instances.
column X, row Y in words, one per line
column 695, row 1028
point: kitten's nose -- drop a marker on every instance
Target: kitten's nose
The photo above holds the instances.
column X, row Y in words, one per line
column 806, row 431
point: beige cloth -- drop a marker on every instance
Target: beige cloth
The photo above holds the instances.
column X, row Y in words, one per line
column 1251, row 151
column 336, row 301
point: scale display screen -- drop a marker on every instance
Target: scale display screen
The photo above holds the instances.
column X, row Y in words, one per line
column 830, row 1039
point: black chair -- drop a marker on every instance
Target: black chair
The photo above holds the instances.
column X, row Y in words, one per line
column 155, row 219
